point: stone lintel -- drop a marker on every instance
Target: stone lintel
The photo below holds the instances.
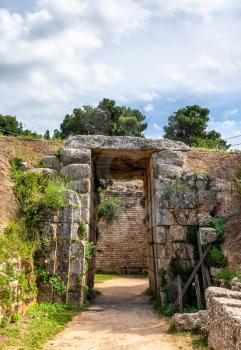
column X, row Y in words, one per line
column 101, row 142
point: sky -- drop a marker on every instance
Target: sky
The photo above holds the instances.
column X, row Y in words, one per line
column 154, row 55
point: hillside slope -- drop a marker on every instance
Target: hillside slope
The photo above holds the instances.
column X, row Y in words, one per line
column 31, row 151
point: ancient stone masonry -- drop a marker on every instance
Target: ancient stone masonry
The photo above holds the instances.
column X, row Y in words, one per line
column 63, row 254
column 181, row 200
column 224, row 319
column 19, row 303
column 121, row 246
column 175, row 199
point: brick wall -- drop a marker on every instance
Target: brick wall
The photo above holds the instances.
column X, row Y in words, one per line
column 121, row 246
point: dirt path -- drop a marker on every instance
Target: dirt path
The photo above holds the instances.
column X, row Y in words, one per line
column 122, row 318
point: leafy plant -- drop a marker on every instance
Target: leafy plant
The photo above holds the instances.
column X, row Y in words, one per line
column 165, row 310
column 192, row 234
column 15, row 317
column 43, row 277
column 109, row 209
column 218, row 223
column 45, row 243
column 59, row 287
column 82, row 229
column 216, row 258
column 55, row 194
column 163, row 277
column 5, row 291
column 171, row 188
column 4, row 321
column 89, row 249
column 228, row 275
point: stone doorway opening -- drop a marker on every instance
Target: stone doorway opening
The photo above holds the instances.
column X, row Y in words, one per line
column 122, row 235
column 125, row 245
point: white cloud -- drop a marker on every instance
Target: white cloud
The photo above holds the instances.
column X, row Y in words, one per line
column 170, row 99
column 157, row 127
column 148, row 108
column 228, row 129
column 68, row 52
column 230, row 112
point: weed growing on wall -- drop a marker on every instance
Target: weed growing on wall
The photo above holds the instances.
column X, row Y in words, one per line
column 171, row 188
column 227, row 275
column 44, row 278
column 36, row 193
column 82, row 230
column 216, row 258
column 109, row 209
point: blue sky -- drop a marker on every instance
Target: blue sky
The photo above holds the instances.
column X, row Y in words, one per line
column 155, row 55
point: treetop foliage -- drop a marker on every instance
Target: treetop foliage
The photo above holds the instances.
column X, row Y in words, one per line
column 105, row 119
column 9, row 125
column 189, row 125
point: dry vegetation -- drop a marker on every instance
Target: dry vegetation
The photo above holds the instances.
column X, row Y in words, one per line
column 31, row 151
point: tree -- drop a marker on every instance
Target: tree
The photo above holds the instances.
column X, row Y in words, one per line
column 56, row 134
column 10, row 126
column 189, row 125
column 105, row 119
column 47, row 135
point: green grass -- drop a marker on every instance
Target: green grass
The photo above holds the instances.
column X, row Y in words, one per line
column 41, row 323
column 197, row 341
column 102, row 277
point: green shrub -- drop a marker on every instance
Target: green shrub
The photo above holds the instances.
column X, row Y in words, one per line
column 15, row 317
column 4, row 321
column 228, row 275
column 89, row 250
column 163, row 277
column 55, row 195
column 192, row 235
column 59, row 287
column 109, row 209
column 82, row 229
column 218, row 223
column 36, row 192
column 5, row 291
column 165, row 310
column 216, row 258
column 43, row 277
column 169, row 189
column 45, row 243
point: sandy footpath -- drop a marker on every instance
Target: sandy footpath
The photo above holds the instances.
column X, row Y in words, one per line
column 122, row 318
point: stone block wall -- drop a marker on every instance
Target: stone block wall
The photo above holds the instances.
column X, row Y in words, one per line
column 175, row 199
column 20, row 289
column 65, row 255
column 180, row 200
column 121, row 245
column 224, row 319
column 62, row 252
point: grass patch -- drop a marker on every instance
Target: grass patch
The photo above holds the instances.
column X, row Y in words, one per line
column 41, row 323
column 197, row 341
column 102, row 277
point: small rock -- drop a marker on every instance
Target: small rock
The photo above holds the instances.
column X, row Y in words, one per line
column 207, row 235
column 46, row 171
column 214, row 271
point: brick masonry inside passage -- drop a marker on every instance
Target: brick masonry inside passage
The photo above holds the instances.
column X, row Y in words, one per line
column 121, row 246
